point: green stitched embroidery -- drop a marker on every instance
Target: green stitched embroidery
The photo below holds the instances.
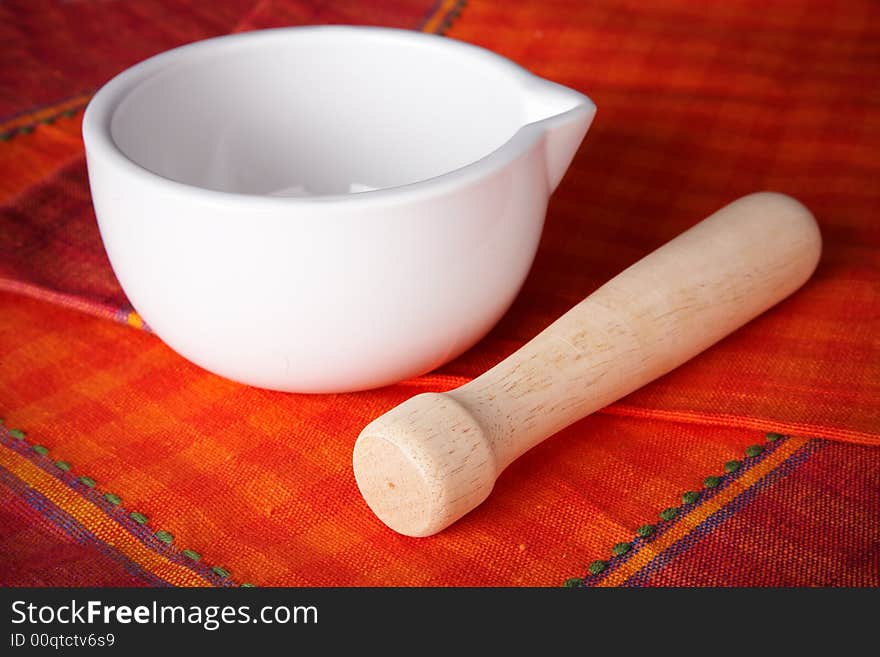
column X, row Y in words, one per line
column 669, row 514
column 645, row 530
column 164, row 536
column 689, row 497
column 115, row 500
column 46, row 120
column 596, row 567
column 192, row 554
column 248, row 585
column 619, row 549
column 570, row 583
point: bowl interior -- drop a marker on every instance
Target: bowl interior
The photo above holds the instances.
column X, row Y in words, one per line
column 318, row 113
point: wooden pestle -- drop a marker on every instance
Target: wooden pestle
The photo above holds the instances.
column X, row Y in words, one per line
column 435, row 457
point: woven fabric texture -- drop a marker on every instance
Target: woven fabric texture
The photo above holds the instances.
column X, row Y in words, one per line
column 122, row 463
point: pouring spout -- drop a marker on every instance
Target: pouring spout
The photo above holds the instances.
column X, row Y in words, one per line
column 564, row 115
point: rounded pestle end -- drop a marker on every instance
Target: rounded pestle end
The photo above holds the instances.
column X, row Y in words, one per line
column 424, row 464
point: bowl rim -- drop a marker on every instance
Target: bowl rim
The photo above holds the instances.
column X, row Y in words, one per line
column 98, row 117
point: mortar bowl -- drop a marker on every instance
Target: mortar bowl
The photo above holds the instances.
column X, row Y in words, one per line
column 326, row 209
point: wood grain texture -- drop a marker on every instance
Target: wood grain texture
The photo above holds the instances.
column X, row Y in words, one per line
column 427, row 462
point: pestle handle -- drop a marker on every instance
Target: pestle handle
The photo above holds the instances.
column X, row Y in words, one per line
column 430, row 460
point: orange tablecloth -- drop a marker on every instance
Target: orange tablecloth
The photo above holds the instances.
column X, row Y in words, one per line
column 231, row 484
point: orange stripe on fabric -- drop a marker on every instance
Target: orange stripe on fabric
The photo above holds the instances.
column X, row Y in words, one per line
column 437, row 18
column 690, row 521
column 45, row 113
column 739, row 422
column 97, row 522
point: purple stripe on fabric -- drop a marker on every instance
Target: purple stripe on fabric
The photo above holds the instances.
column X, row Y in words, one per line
column 119, row 514
column 73, row 528
column 714, row 521
column 663, row 526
